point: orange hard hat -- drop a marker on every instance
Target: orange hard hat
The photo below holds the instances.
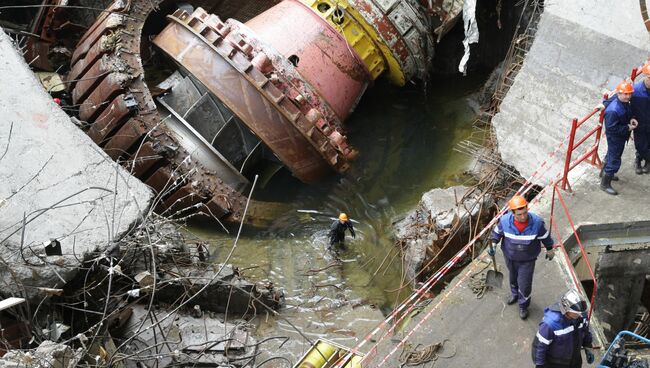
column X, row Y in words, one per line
column 517, row 202
column 624, row 87
column 646, row 69
column 343, row 217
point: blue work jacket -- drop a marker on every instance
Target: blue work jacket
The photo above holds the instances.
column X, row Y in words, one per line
column 559, row 339
column 617, row 118
column 640, row 104
column 525, row 245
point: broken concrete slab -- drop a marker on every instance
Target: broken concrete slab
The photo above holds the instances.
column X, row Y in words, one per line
column 47, row 355
column 223, row 290
column 187, row 340
column 425, row 231
column 57, row 184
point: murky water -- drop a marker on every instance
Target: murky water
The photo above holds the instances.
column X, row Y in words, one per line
column 406, row 142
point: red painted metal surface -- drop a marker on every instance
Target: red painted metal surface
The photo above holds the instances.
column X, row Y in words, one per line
column 325, row 59
column 591, row 154
column 107, row 83
column 266, row 99
column 569, row 262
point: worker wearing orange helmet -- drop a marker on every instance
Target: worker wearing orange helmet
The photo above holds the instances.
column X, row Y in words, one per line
column 618, row 125
column 337, row 230
column 640, row 104
column 521, row 234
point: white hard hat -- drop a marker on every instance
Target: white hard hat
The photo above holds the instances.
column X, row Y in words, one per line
column 571, row 301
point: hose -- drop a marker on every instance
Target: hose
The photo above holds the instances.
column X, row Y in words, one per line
column 477, row 282
column 423, row 354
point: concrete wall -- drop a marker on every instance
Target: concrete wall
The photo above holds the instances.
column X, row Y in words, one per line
column 581, row 49
column 54, row 176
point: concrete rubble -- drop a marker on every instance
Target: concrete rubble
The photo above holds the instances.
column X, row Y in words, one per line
column 444, row 218
column 190, row 341
column 581, row 49
column 66, row 206
column 57, row 186
column 48, row 354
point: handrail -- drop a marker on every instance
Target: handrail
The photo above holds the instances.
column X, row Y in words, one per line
column 618, row 337
column 553, row 224
column 592, row 151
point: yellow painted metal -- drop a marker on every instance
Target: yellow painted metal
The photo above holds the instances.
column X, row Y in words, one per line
column 361, row 36
column 355, row 362
column 318, row 355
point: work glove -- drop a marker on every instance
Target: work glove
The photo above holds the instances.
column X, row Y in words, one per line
column 550, row 254
column 589, row 354
column 492, row 250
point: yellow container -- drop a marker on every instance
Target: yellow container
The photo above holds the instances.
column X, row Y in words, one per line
column 355, row 362
column 318, row 356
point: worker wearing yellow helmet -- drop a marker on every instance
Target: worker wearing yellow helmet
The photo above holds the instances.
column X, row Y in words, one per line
column 337, row 231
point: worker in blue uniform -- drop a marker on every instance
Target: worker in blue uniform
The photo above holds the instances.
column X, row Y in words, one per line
column 520, row 233
column 563, row 332
column 640, row 104
column 337, row 231
column 618, row 125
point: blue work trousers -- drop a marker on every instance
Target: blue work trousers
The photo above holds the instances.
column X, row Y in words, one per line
column 615, row 147
column 642, row 142
column 521, row 280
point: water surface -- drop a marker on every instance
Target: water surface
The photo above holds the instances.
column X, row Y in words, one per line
column 406, row 141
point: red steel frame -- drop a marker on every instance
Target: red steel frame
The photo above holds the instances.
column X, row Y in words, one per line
column 591, row 155
column 553, row 225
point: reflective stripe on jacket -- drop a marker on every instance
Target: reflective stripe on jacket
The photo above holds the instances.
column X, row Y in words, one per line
column 524, row 245
column 559, row 339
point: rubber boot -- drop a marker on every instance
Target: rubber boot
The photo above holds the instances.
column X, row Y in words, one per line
column 602, row 172
column 646, row 166
column 523, row 313
column 606, row 185
column 637, row 166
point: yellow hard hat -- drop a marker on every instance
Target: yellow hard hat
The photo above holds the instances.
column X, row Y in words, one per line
column 343, row 217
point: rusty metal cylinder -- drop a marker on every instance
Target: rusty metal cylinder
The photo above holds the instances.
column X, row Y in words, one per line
column 321, row 55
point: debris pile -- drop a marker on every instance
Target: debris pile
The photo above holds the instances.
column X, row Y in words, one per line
column 443, row 222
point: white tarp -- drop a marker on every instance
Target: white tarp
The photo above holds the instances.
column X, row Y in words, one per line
column 471, row 32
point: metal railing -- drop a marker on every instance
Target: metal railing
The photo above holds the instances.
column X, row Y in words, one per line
column 591, row 154
column 553, row 225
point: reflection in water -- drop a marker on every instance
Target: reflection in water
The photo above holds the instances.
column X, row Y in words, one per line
column 405, row 141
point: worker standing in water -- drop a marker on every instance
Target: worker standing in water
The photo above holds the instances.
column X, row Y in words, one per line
column 337, row 231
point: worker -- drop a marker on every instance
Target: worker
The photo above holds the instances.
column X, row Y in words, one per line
column 337, row 230
column 640, row 104
column 563, row 331
column 618, row 125
column 520, row 233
